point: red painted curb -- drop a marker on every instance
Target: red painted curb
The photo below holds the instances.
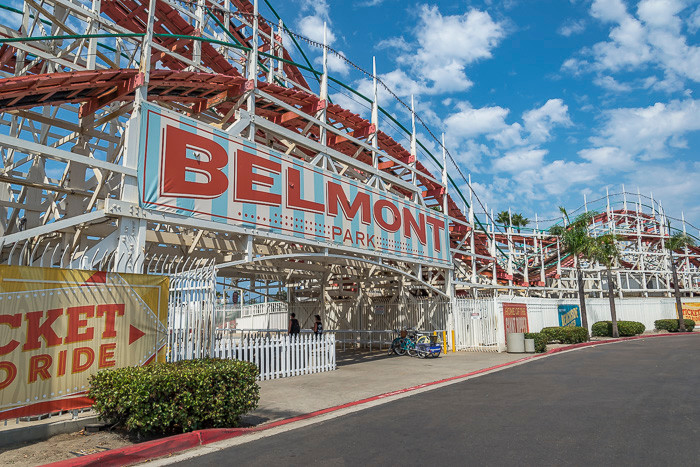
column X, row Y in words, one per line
column 161, row 447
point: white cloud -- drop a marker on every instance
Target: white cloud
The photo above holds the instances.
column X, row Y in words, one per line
column 447, row 44
column 519, row 160
column 572, row 27
column 540, row 121
column 396, row 43
column 312, row 27
column 694, row 21
column 336, row 65
column 608, row 156
column 611, row 84
column 608, row 10
column 651, row 42
column 648, row 131
column 470, row 122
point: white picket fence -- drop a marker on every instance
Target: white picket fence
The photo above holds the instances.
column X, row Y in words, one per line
column 280, row 356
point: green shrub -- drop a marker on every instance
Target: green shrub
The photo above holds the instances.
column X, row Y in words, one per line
column 673, row 324
column 565, row 334
column 625, row 328
column 540, row 341
column 167, row 398
column 602, row 328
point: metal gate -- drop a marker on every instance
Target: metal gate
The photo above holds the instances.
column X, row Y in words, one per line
column 476, row 325
column 191, row 316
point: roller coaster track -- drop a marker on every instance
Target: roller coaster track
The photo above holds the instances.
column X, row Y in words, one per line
column 197, row 75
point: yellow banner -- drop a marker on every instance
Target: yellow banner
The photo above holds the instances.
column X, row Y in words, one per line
column 692, row 311
column 59, row 326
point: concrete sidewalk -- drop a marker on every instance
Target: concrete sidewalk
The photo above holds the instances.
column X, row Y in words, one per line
column 361, row 375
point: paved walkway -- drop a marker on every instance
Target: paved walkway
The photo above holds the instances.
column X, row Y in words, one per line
column 361, row 375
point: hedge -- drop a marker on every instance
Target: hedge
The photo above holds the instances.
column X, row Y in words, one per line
column 625, row 328
column 540, row 341
column 165, row 398
column 673, row 324
column 565, row 334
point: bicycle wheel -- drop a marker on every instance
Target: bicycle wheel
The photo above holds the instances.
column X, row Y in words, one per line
column 411, row 349
column 423, row 340
column 398, row 347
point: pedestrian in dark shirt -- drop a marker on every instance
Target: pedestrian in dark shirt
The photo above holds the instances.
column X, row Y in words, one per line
column 294, row 327
column 318, row 326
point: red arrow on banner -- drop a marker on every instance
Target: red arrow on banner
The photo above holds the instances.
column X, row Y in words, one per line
column 135, row 334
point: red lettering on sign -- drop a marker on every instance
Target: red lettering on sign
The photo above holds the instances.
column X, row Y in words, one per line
column 39, row 367
column 294, row 194
column 14, row 321
column 106, row 358
column 78, row 353
column 438, row 225
column 110, row 312
column 35, row 330
column 62, row 362
column 247, row 181
column 209, row 159
column 392, row 226
column 75, row 323
column 335, row 232
column 10, row 374
column 410, row 225
column 336, row 195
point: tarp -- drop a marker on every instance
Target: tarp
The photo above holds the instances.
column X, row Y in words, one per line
column 59, row 326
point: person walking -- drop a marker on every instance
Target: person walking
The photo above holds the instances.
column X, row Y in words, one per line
column 318, row 325
column 294, row 329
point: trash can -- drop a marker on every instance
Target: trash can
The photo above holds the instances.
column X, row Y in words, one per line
column 515, row 342
column 530, row 345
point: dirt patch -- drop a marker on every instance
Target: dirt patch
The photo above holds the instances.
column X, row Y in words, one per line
column 65, row 446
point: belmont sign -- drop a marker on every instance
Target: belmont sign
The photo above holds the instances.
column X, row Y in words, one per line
column 190, row 168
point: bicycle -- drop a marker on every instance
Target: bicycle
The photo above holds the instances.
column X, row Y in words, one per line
column 409, row 343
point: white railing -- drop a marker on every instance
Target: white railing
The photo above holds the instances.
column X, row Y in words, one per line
column 263, row 308
column 279, row 356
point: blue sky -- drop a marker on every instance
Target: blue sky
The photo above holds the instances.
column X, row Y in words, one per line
column 541, row 101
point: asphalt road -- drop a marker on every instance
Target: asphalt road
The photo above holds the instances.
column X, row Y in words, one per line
column 630, row 403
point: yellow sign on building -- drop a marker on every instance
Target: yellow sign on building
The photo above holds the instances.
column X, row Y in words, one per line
column 59, row 326
column 692, row 311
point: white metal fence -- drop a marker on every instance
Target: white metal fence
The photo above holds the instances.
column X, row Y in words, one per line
column 476, row 325
column 479, row 323
column 191, row 313
column 279, row 356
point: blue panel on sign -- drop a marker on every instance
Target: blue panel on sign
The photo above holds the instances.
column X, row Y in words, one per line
column 569, row 315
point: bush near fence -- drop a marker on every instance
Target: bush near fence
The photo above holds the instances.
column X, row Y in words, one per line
column 624, row 328
column 540, row 341
column 166, row 398
column 672, row 325
column 565, row 334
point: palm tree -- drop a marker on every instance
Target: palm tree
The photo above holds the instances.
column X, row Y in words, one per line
column 677, row 242
column 520, row 221
column 574, row 239
column 605, row 251
column 503, row 218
